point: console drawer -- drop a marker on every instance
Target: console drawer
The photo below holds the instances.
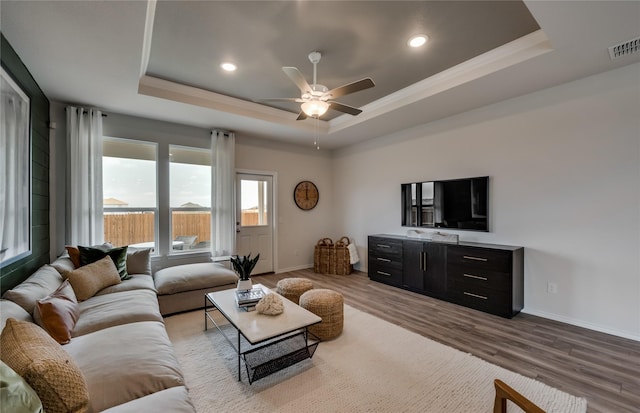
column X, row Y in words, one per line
column 460, row 277
column 387, row 261
column 490, row 301
column 385, row 273
column 385, row 247
column 480, row 258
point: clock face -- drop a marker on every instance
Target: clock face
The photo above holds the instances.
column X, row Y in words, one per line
column 306, row 195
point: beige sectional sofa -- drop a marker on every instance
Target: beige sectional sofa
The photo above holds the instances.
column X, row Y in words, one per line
column 119, row 344
column 182, row 288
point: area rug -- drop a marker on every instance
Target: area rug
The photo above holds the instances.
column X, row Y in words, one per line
column 374, row 366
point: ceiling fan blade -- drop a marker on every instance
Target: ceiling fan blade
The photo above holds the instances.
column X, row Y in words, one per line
column 344, row 108
column 295, row 75
column 356, row 86
column 302, row 116
column 280, row 100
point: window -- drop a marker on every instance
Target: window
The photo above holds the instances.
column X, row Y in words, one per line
column 15, row 164
column 253, row 208
column 190, row 198
column 129, row 185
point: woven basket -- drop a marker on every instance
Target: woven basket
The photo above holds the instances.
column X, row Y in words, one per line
column 341, row 263
column 322, row 256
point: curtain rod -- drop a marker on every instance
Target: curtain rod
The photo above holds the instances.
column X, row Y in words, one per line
column 223, row 132
column 84, row 112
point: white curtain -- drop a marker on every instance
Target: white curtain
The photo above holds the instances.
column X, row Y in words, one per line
column 84, row 176
column 15, row 187
column 223, row 194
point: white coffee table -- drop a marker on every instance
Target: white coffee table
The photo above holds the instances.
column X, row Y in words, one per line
column 271, row 343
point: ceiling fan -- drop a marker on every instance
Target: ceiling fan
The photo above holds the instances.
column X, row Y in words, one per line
column 316, row 99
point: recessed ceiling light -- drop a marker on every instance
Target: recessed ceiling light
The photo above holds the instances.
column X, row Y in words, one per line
column 418, row 40
column 229, row 67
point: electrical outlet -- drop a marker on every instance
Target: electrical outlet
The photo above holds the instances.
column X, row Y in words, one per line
column 552, row 288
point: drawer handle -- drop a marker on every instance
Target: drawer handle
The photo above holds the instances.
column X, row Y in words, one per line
column 469, row 257
column 384, row 273
column 383, row 259
column 477, row 277
column 383, row 246
column 476, row 295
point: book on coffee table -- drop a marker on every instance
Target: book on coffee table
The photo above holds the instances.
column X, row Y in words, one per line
column 250, row 297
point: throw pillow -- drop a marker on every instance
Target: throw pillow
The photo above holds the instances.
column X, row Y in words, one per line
column 63, row 264
column 74, row 254
column 40, row 284
column 15, row 393
column 118, row 255
column 138, row 261
column 58, row 313
column 48, row 369
column 91, row 278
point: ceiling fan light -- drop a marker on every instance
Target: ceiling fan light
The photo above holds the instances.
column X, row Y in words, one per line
column 418, row 40
column 315, row 108
column 229, row 67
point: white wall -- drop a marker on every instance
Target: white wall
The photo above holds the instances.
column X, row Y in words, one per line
column 564, row 167
column 298, row 230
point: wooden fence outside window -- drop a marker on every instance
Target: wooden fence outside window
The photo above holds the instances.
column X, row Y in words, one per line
column 136, row 227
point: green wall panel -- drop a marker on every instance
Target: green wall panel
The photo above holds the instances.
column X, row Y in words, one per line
column 20, row 270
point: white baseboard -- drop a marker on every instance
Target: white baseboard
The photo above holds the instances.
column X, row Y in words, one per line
column 580, row 323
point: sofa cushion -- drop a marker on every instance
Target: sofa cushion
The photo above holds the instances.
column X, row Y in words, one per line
column 58, row 312
column 39, row 285
column 138, row 261
column 192, row 277
column 89, row 279
column 9, row 309
column 103, row 311
column 126, row 362
column 48, row 369
column 15, row 393
column 135, row 282
column 174, row 400
column 89, row 255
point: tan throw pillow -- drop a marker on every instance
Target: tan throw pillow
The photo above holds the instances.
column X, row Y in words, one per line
column 138, row 261
column 58, row 313
column 91, row 278
column 48, row 369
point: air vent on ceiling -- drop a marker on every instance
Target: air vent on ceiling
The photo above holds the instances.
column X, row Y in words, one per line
column 623, row 49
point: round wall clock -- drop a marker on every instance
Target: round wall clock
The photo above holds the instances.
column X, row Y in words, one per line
column 306, row 195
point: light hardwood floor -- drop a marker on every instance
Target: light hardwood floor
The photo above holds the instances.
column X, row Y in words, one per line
column 602, row 368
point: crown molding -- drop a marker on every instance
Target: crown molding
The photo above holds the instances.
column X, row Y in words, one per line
column 178, row 92
column 517, row 51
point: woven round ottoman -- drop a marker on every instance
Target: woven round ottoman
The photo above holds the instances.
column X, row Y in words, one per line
column 293, row 288
column 328, row 305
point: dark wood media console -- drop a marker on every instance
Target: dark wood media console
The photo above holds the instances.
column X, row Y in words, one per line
column 485, row 277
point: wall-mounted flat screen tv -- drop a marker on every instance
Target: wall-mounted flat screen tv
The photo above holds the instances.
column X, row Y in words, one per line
column 456, row 204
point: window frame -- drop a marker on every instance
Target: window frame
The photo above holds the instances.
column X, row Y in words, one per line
column 172, row 251
column 156, row 210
